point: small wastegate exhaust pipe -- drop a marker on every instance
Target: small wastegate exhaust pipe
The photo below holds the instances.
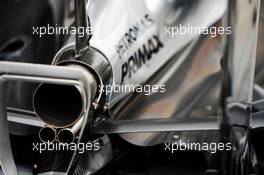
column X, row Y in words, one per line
column 67, row 135
column 61, row 106
column 47, row 134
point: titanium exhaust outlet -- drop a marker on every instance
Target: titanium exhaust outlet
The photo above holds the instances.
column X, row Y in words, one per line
column 47, row 134
column 61, row 106
column 67, row 135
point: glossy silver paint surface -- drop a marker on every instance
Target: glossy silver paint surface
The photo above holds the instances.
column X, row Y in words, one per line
column 243, row 47
column 110, row 20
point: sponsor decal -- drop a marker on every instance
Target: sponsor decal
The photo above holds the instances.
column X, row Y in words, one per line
column 143, row 53
column 141, row 57
column 132, row 35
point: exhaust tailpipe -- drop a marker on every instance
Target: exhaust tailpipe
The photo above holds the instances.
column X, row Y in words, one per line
column 58, row 105
column 61, row 106
column 47, row 134
column 67, row 135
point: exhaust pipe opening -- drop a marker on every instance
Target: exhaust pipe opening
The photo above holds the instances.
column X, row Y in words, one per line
column 65, row 136
column 47, row 134
column 58, row 105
